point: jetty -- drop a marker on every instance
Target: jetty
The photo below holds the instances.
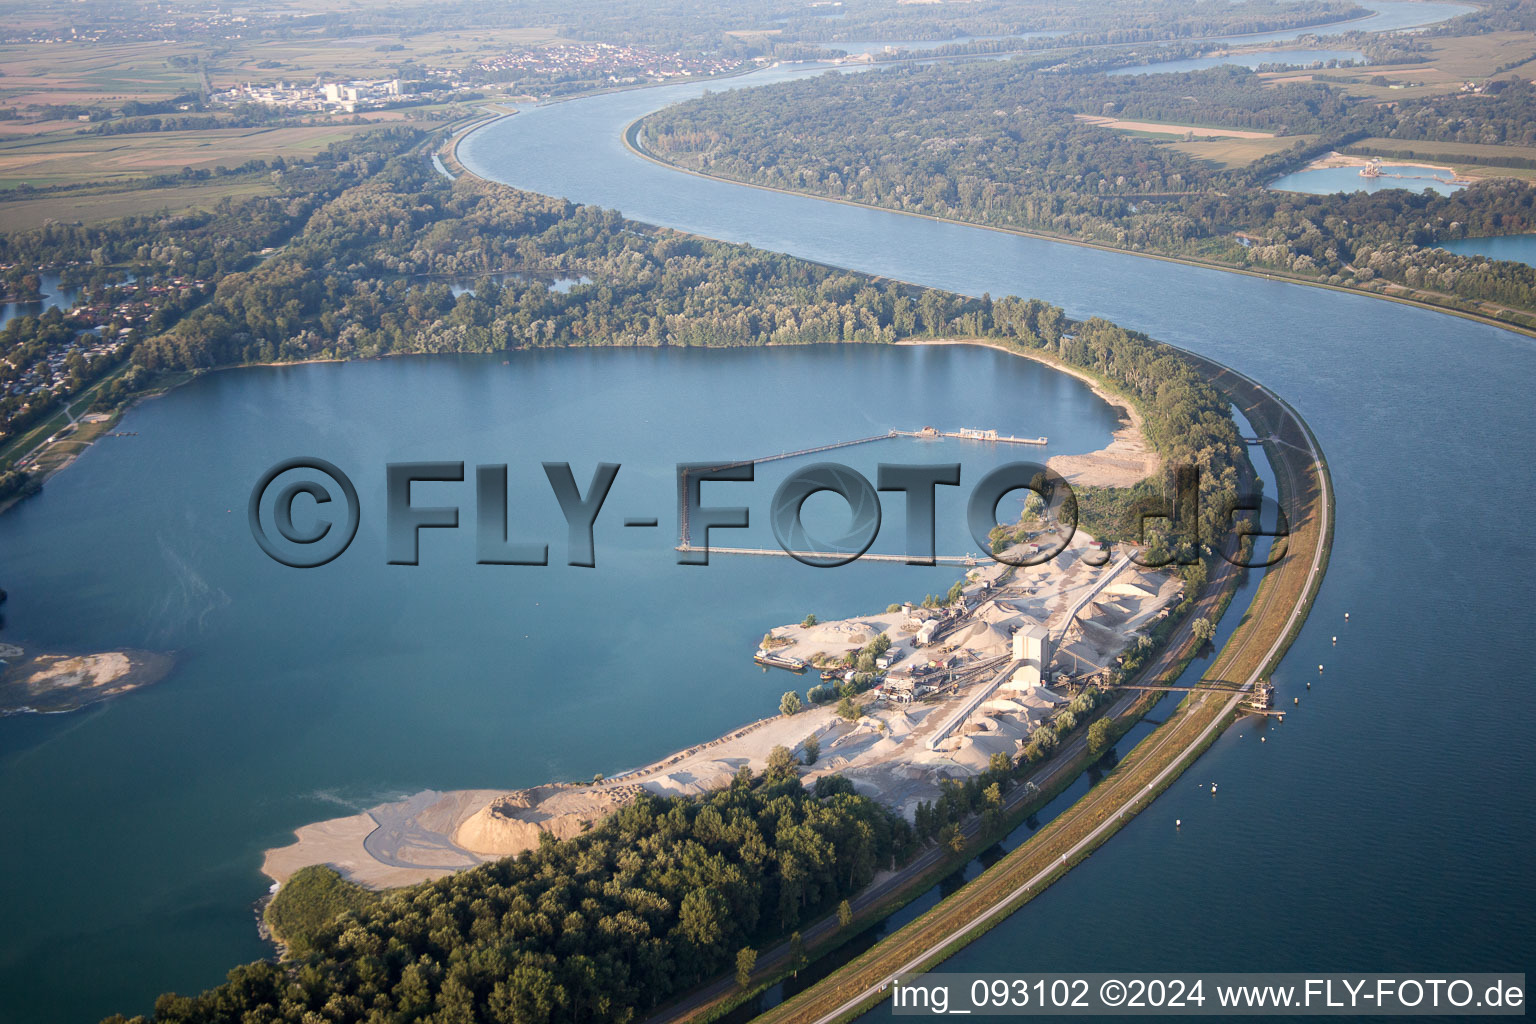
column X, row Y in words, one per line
column 1372, row 169
column 830, row 556
column 925, row 433
column 970, row 434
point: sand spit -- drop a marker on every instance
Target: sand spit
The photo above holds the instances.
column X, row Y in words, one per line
column 1336, row 159
column 886, row 753
column 1127, row 459
column 51, row 683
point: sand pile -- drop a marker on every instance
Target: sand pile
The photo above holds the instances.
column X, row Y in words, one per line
column 512, row 823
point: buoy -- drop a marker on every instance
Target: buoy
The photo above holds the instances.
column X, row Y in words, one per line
column 1319, row 668
column 1346, row 616
column 1309, row 686
column 1261, row 739
column 1213, row 787
column 1178, row 822
column 1298, row 700
column 1335, row 641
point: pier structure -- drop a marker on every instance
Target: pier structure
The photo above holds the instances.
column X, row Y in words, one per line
column 685, row 539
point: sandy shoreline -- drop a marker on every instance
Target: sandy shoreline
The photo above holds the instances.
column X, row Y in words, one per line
column 1335, row 159
column 899, row 751
column 1125, row 461
column 54, row 683
column 432, row 834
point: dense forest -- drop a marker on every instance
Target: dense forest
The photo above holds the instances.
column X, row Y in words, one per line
column 1105, row 22
column 139, row 275
column 369, row 275
column 383, row 238
column 1006, row 144
column 656, row 898
column 743, row 28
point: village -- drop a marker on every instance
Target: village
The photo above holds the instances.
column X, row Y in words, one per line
column 61, row 355
column 618, row 64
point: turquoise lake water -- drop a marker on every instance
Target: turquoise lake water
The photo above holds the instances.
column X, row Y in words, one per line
column 1323, row 180
column 1384, row 826
column 1520, row 248
column 300, row 695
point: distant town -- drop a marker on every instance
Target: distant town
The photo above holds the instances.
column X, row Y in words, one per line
column 539, row 71
column 344, row 97
column 621, row 65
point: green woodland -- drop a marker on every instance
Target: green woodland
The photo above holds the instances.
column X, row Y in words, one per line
column 658, row 897
column 665, row 893
column 367, row 275
column 998, row 143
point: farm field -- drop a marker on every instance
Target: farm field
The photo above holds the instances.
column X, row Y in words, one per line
column 18, row 212
column 50, row 73
column 1477, row 160
column 1239, row 152
column 1175, row 130
column 1452, row 61
column 54, row 73
column 366, row 56
column 56, row 159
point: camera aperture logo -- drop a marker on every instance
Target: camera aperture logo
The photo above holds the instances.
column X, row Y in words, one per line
column 332, row 524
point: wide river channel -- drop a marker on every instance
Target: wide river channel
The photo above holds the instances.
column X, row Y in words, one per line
column 1385, row 825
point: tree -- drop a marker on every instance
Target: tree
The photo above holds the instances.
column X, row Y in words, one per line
column 844, row 914
column 847, row 709
column 993, row 798
column 746, row 962
column 952, row 837
column 808, row 621
column 797, row 955
column 781, row 764
column 1098, row 735
column 811, row 750
column 789, row 704
column 702, row 917
column 1203, row 629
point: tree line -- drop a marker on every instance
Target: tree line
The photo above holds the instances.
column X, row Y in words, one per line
column 658, row 897
column 1005, row 144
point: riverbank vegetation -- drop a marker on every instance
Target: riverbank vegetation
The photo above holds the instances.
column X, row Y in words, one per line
column 373, row 269
column 1008, row 144
column 135, row 277
column 656, row 898
column 605, row 921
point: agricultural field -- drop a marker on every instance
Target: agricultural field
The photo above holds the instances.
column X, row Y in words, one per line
column 59, row 158
column 19, row 212
column 1453, row 61
column 62, row 74
column 1478, row 160
column 1239, row 152
column 365, row 56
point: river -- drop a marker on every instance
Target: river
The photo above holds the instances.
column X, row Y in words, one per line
column 1384, row 825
